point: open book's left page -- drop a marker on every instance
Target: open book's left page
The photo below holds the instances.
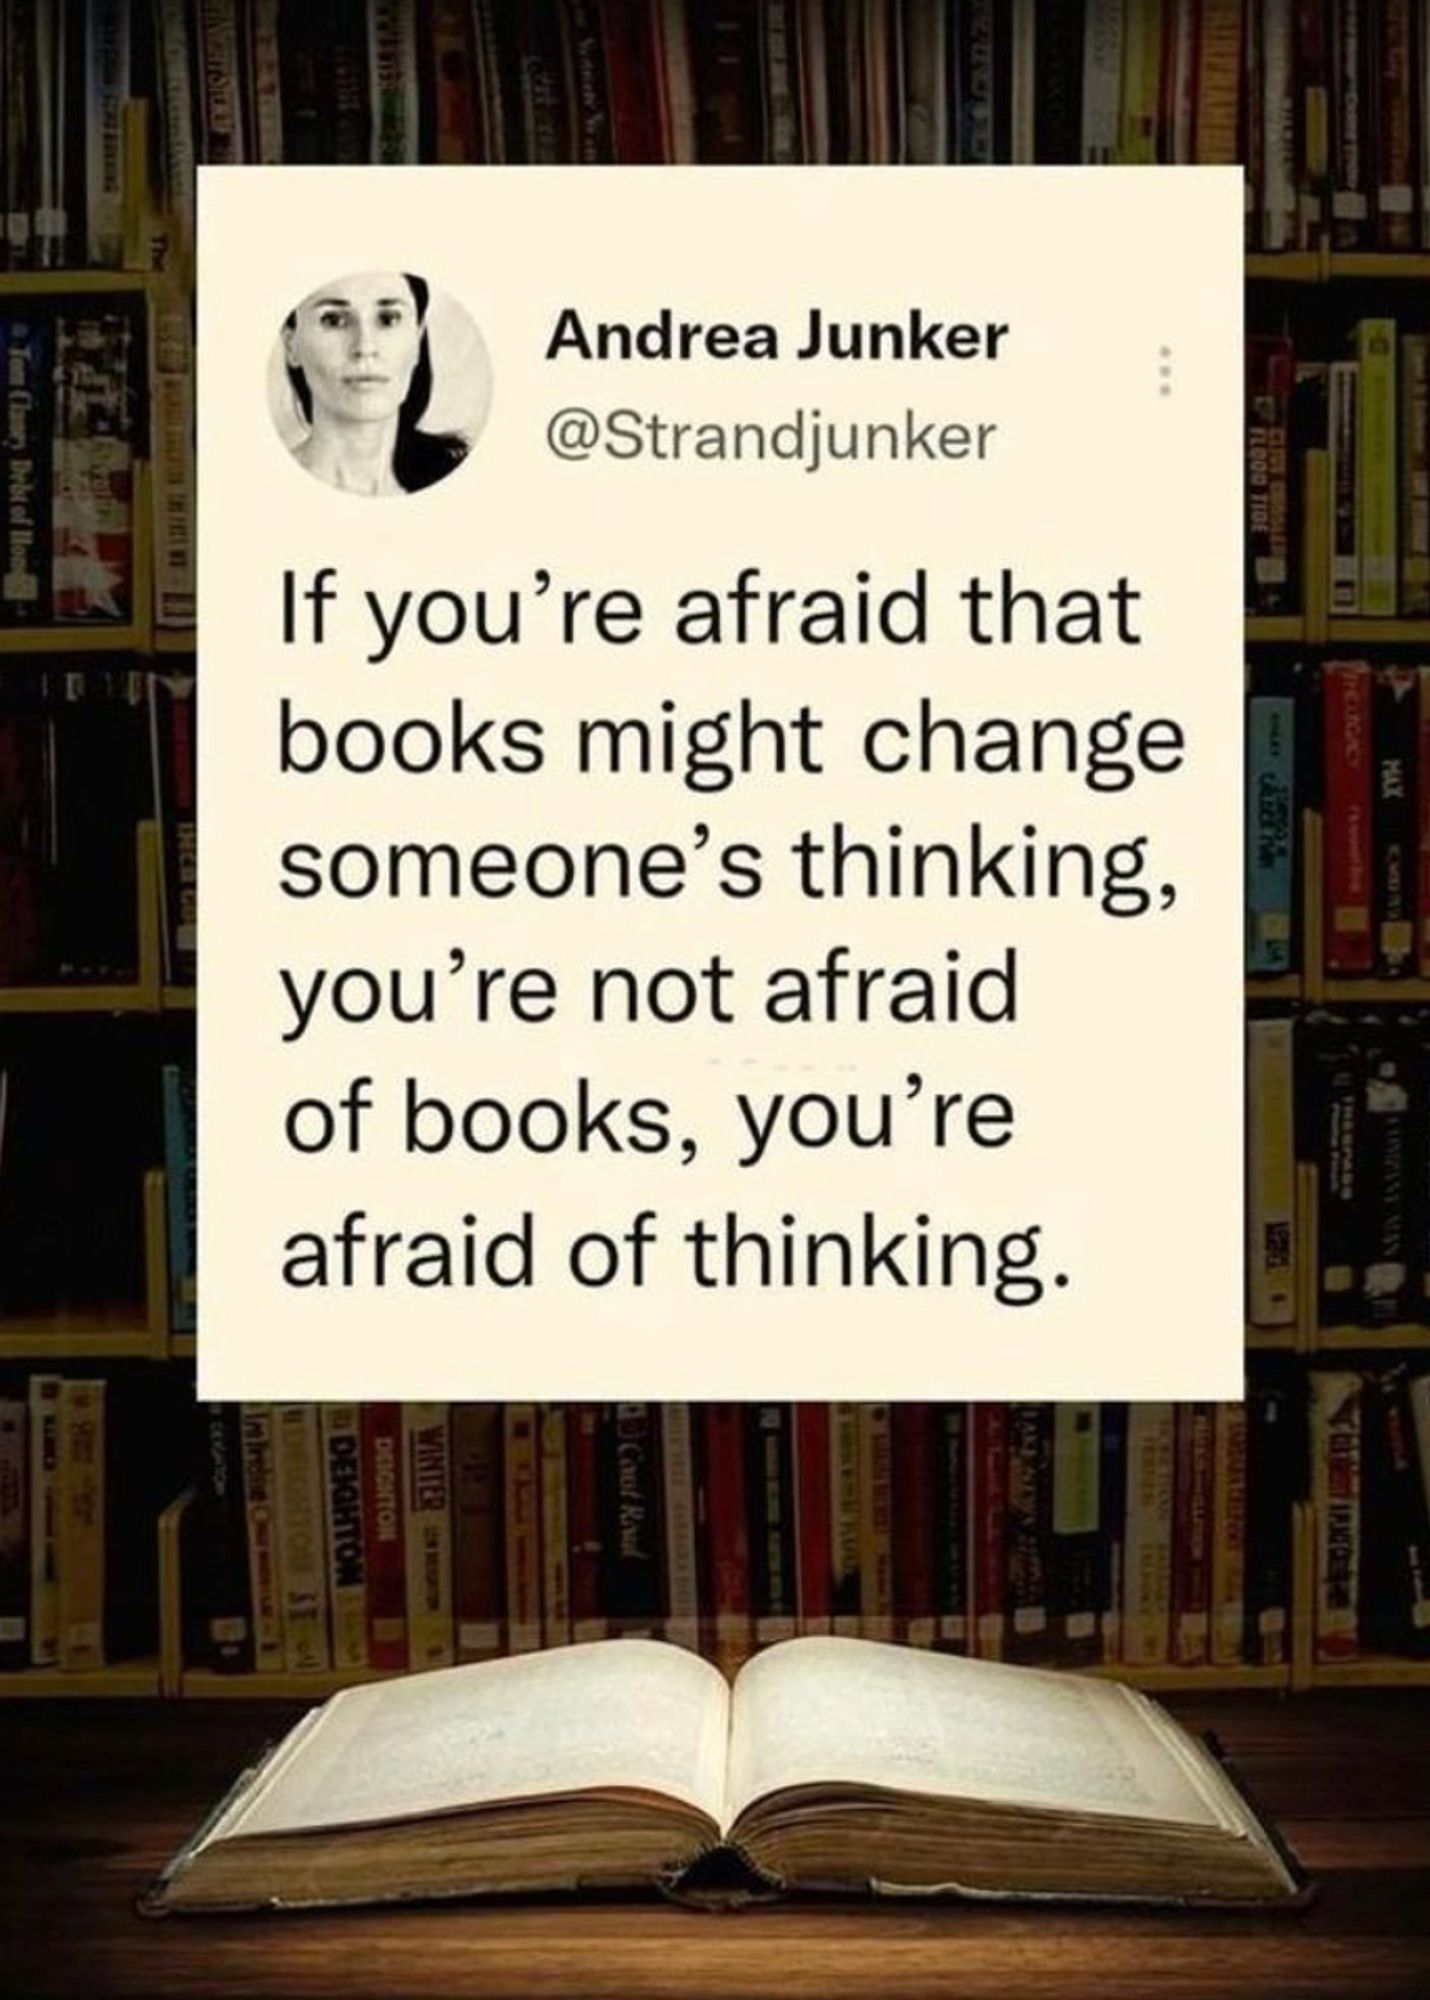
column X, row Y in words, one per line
column 635, row 1716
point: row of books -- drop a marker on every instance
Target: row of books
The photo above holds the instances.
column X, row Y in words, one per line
column 73, row 426
column 1370, row 410
column 1326, row 107
column 52, row 1525
column 414, row 1535
column 87, row 751
column 1370, row 1485
column 1365, row 1124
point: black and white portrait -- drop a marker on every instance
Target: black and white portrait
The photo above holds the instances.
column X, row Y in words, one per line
column 378, row 384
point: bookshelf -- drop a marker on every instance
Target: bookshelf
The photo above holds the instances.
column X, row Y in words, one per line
column 1294, row 280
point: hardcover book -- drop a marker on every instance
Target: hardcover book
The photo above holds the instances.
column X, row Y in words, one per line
column 831, row 1765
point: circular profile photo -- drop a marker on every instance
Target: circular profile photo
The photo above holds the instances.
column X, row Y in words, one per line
column 378, row 384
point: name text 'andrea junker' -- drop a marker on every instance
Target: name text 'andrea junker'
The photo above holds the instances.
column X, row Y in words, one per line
column 916, row 335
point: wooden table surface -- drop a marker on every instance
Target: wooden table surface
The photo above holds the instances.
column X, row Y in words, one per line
column 95, row 1796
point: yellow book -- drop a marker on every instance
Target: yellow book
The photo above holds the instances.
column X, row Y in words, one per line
column 80, row 1517
column 1377, row 489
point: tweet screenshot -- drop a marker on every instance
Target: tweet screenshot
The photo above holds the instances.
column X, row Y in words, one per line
column 719, row 776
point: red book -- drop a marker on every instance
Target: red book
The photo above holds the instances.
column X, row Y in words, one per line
column 988, row 1528
column 1191, row 1534
column 382, row 1535
column 727, row 1538
column 1346, row 703
column 583, row 1521
column 811, row 1500
column 1395, row 151
column 915, row 1514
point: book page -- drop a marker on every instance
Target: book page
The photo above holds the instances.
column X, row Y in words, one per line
column 627, row 1714
column 847, row 1711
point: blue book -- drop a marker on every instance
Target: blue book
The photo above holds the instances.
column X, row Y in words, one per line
column 1270, row 839
column 180, row 1166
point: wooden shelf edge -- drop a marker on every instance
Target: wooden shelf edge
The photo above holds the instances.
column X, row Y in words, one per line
column 1374, row 1670
column 31, row 1341
column 129, row 1680
column 1369, row 1339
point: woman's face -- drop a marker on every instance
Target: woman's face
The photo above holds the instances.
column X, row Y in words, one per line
column 357, row 341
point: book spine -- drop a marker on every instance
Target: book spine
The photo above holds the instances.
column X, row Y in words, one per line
column 1058, row 41
column 51, row 105
column 349, row 140
column 171, row 424
column 1336, row 1496
column 267, row 75
column 727, row 1538
column 1015, row 33
column 1228, row 1551
column 219, row 74
column 555, row 1529
column 1395, row 166
column 926, row 84
column 107, row 44
column 1414, row 475
column 1191, row 1534
column 1388, row 1142
column 175, row 90
column 181, row 1191
column 780, row 101
column 1343, row 423
column 1147, row 1571
column 1350, row 199
column 1395, row 728
column 844, row 1517
column 988, row 1529
column 812, row 1520
column 1112, row 1517
column 1418, row 1394
column 224, row 1592
column 1376, row 483
column 1270, row 376
column 301, row 1540
column 630, row 1492
column 427, row 1523
column 1347, row 713
column 769, row 1477
column 876, row 1540
column 671, row 32
column 80, row 1521
column 1270, row 1458
column 1218, row 118
column 1279, row 197
column 951, row 1484
column 26, row 595
column 522, row 1518
column 392, row 74
column 14, row 1535
column 1270, row 888
column 682, row 1561
column 383, row 1548
column 44, row 1521
column 1029, row 1525
column 1101, row 81
column 974, row 85
column 915, row 1517
column 583, row 1437
column 1271, row 1173
column 1075, row 1528
column 1314, row 127
column 476, row 1530
column 586, row 82
column 1395, row 1576
column 265, row 1581
column 341, row 1429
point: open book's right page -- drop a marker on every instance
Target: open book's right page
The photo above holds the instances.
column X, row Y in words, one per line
column 846, row 1711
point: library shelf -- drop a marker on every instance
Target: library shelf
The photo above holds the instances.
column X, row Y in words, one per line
column 1272, row 1340
column 1370, row 1339
column 1274, row 986
column 125, row 1679
column 1378, row 631
column 107, row 1333
column 183, row 1346
column 1378, row 1670
column 1377, row 992
column 1286, row 267
column 182, row 639
column 1327, row 267
column 1275, row 631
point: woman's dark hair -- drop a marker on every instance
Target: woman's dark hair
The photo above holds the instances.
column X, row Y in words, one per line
column 419, row 458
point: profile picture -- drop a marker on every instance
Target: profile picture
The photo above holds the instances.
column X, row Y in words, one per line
column 378, row 385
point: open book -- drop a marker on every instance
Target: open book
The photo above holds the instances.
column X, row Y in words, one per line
column 832, row 1764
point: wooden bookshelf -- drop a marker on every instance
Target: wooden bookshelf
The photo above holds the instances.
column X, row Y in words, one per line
column 1329, row 267
column 1372, row 1670
column 145, row 994
column 129, row 1680
column 120, row 1332
column 1371, row 1339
